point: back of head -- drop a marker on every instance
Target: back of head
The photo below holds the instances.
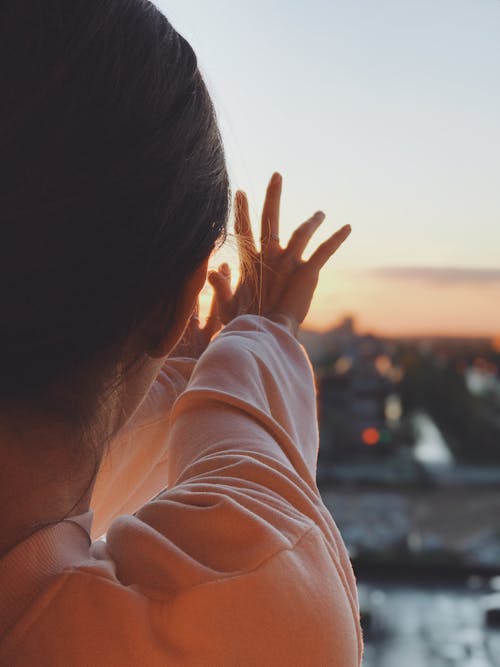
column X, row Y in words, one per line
column 113, row 188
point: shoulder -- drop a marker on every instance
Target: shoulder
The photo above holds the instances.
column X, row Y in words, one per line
column 290, row 608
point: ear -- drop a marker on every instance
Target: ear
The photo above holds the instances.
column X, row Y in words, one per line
column 185, row 306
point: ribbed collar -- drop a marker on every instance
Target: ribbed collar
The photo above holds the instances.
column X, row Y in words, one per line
column 26, row 569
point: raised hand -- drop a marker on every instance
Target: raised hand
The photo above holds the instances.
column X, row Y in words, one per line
column 274, row 281
column 196, row 338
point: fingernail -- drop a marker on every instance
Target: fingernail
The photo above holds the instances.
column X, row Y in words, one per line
column 319, row 216
column 276, row 178
column 347, row 228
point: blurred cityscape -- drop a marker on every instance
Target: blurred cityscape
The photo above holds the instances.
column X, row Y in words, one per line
column 409, row 466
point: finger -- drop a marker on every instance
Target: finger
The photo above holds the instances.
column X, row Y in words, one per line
column 271, row 212
column 222, row 286
column 323, row 252
column 225, row 271
column 214, row 308
column 301, row 236
column 242, row 224
column 247, row 252
column 213, row 322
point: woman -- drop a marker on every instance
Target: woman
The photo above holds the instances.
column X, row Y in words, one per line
column 114, row 194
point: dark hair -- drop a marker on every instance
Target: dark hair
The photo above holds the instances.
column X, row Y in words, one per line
column 113, row 189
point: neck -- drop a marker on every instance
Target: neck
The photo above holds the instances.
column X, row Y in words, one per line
column 44, row 478
column 47, row 472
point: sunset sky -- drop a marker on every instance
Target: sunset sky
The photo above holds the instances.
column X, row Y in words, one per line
column 384, row 114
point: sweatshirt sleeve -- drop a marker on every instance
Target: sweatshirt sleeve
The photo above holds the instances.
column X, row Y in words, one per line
column 239, row 552
column 134, row 470
column 248, row 418
column 254, row 366
column 242, row 442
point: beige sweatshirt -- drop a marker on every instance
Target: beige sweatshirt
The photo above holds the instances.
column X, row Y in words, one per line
column 237, row 563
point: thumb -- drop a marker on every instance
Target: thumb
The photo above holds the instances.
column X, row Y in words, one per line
column 221, row 285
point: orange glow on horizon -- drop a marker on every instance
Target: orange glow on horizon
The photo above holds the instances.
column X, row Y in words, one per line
column 393, row 307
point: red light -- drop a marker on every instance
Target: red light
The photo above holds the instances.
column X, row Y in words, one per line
column 370, row 436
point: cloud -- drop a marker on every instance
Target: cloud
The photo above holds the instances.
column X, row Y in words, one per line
column 445, row 275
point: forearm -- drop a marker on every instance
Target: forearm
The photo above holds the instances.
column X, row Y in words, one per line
column 255, row 364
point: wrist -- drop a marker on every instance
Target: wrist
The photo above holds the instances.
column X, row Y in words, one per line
column 287, row 320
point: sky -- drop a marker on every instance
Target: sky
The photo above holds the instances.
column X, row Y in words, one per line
column 385, row 114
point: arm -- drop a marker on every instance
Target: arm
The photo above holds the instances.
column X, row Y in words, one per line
column 133, row 469
column 240, row 545
column 249, row 412
column 256, row 366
